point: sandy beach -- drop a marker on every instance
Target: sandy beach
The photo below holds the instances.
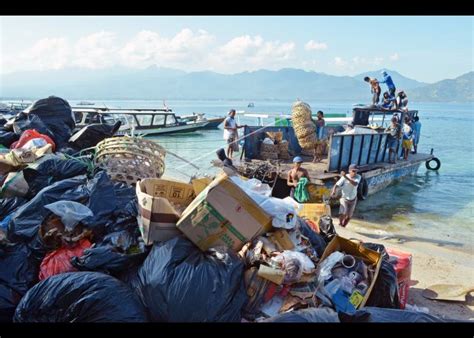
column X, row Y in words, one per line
column 432, row 264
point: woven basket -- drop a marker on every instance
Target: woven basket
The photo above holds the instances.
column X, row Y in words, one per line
column 303, row 125
column 129, row 159
column 268, row 155
column 283, row 151
column 275, row 135
column 269, row 148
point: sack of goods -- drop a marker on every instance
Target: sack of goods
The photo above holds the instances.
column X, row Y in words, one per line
column 303, row 125
column 283, row 150
column 268, row 150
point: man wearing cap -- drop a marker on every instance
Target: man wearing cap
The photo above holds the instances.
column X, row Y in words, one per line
column 348, row 201
column 387, row 79
column 295, row 174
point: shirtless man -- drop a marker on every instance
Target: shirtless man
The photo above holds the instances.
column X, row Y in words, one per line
column 295, row 174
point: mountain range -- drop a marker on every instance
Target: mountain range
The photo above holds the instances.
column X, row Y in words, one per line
column 166, row 83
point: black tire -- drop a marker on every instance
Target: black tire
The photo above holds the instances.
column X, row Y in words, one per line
column 436, row 167
column 362, row 189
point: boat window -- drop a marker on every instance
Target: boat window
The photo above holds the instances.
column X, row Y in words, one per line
column 144, row 120
column 170, row 120
column 78, row 116
column 159, row 120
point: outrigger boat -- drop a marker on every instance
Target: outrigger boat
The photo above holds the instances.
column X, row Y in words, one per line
column 368, row 149
column 137, row 122
column 213, row 122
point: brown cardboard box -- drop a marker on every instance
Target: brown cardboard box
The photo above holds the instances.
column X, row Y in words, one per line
column 313, row 211
column 223, row 214
column 156, row 200
column 282, row 239
column 370, row 257
column 199, row 184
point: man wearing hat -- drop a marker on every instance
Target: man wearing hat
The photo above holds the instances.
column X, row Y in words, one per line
column 348, row 185
column 295, row 174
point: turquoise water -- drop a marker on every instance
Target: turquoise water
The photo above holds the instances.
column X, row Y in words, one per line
column 429, row 206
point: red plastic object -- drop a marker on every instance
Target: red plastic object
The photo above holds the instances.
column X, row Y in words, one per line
column 59, row 261
column 403, row 267
column 30, row 134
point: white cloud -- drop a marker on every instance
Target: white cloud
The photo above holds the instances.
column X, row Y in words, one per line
column 96, row 50
column 395, row 57
column 250, row 53
column 340, row 62
column 313, row 45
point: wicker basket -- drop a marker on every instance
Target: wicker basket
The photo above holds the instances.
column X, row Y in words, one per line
column 129, row 159
column 269, row 148
column 268, row 155
column 303, row 125
column 283, row 151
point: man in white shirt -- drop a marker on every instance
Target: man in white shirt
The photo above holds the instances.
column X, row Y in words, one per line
column 348, row 201
column 230, row 133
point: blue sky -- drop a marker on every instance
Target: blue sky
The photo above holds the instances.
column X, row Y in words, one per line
column 425, row 48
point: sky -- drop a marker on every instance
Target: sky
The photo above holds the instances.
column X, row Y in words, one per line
column 424, row 48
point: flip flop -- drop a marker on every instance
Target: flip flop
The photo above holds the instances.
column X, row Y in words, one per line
column 452, row 292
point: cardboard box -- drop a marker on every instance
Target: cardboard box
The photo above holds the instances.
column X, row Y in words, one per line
column 158, row 215
column 370, row 257
column 223, row 214
column 199, row 184
column 313, row 211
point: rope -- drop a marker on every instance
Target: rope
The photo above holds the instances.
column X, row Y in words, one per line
column 239, row 139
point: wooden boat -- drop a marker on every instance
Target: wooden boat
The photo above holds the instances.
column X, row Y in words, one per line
column 138, row 122
column 213, row 122
column 368, row 151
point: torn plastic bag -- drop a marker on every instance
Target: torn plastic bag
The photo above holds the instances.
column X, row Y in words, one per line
column 117, row 253
column 381, row 315
column 18, row 273
column 29, row 135
column 326, row 228
column 317, row 241
column 10, row 204
column 26, row 220
column 56, row 114
column 385, row 291
column 80, row 297
column 92, row 134
column 7, row 138
column 71, row 213
column 179, row 283
column 51, row 170
column 59, row 261
column 311, row 315
column 23, row 122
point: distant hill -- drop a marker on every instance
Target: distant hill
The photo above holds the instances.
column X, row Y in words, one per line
column 460, row 89
column 165, row 83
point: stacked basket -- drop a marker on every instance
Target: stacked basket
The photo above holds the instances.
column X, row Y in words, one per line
column 303, row 125
column 129, row 159
column 268, row 151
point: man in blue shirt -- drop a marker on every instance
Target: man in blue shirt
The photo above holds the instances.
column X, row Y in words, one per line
column 416, row 131
column 387, row 79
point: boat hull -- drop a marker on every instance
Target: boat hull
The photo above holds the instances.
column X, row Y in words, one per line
column 170, row 130
column 214, row 123
column 381, row 178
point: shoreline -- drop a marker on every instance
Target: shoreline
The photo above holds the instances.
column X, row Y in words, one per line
column 432, row 264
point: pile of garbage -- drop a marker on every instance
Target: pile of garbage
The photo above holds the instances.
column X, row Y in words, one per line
column 79, row 246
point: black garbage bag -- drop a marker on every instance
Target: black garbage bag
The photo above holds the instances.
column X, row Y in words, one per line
column 92, row 134
column 385, row 291
column 326, row 228
column 179, row 283
column 24, row 121
column 80, row 297
column 310, row 315
column 7, row 138
column 50, row 171
column 18, row 273
column 57, row 116
column 317, row 241
column 26, row 220
column 117, row 253
column 10, row 204
column 380, row 315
